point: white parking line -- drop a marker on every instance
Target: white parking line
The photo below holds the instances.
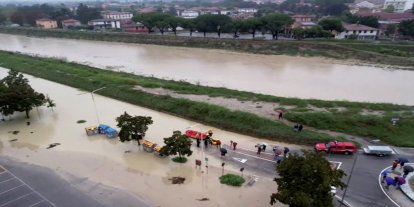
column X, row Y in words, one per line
column 18, row 198
column 346, row 203
column 11, row 189
column 34, row 191
column 254, row 156
column 7, row 180
column 379, row 183
column 36, row 203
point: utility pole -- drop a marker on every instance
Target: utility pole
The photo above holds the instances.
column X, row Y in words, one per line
column 347, row 183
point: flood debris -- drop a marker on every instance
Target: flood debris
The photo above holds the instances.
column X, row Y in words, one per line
column 52, row 145
column 13, row 140
column 177, row 180
column 15, row 132
column 127, row 151
column 28, row 123
column 203, row 199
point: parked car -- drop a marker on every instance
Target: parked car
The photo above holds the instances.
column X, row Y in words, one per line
column 378, row 150
column 346, row 148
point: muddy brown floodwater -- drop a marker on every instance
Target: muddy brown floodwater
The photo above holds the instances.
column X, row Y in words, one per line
column 102, row 160
column 268, row 74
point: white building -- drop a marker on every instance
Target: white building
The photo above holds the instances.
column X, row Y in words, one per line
column 189, row 14
column 247, row 10
column 105, row 23
column 359, row 31
column 117, row 15
column 399, row 5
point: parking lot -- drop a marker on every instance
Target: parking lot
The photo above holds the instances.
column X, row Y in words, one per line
column 15, row 193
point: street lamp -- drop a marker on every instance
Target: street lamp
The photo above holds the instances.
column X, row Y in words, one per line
column 93, row 100
column 347, row 183
column 94, row 104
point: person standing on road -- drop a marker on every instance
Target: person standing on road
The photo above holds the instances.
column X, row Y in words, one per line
column 285, row 152
column 394, row 164
column 259, row 150
column 389, row 181
column 399, row 181
column 234, row 145
column 280, row 115
column 198, row 142
column 264, row 147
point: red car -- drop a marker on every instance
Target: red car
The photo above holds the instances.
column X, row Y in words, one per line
column 346, row 148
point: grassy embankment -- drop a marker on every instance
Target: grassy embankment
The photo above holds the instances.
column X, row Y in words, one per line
column 347, row 117
column 388, row 54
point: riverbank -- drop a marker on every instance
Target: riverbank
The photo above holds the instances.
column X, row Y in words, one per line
column 364, row 119
column 397, row 55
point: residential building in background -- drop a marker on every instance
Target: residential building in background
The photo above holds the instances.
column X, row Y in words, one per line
column 189, row 14
column 46, row 23
column 358, row 31
column 70, row 23
column 399, row 5
column 105, row 23
column 117, row 15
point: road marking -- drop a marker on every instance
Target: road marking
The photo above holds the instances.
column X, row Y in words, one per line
column 253, row 156
column 7, row 180
column 18, row 198
column 192, row 126
column 37, row 203
column 379, row 183
column 34, row 191
column 11, row 189
column 346, row 203
column 240, row 159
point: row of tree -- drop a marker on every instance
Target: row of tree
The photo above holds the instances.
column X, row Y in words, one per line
column 16, row 95
column 274, row 23
column 27, row 15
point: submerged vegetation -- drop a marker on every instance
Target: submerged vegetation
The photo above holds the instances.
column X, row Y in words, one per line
column 363, row 119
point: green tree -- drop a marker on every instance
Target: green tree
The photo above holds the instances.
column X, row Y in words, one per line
column 19, row 95
column 306, row 181
column 298, row 33
column 174, row 22
column 212, row 23
column 236, row 26
column 177, row 144
column 390, row 9
column 190, row 25
column 132, row 127
column 85, row 13
column 391, row 29
column 151, row 20
column 252, row 25
column 406, row 28
column 17, row 17
column 202, row 23
column 3, row 18
column 276, row 22
column 331, row 24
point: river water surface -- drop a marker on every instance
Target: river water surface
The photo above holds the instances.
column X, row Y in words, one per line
column 268, row 74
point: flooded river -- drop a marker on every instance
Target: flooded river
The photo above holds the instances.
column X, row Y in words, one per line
column 276, row 75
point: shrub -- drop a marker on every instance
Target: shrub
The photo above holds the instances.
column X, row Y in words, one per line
column 81, row 121
column 179, row 159
column 231, row 179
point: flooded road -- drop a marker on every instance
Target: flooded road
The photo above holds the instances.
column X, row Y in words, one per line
column 276, row 75
column 102, row 160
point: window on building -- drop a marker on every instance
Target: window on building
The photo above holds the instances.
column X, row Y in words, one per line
column 372, row 31
column 359, row 31
column 365, row 31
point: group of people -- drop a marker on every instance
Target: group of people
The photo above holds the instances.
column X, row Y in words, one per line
column 298, row 127
column 396, row 181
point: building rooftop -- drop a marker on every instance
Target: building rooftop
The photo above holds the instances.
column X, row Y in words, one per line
column 358, row 27
column 388, row 16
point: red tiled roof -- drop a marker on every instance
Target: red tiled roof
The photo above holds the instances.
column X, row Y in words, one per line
column 353, row 27
column 388, row 16
column 44, row 20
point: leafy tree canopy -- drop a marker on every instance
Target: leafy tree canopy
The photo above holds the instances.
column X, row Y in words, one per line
column 17, row 95
column 305, row 181
column 177, row 144
column 85, row 13
column 390, row 9
column 406, row 28
column 276, row 22
column 151, row 20
column 132, row 127
column 370, row 21
column 331, row 24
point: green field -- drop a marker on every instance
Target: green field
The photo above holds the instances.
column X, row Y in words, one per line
column 364, row 119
